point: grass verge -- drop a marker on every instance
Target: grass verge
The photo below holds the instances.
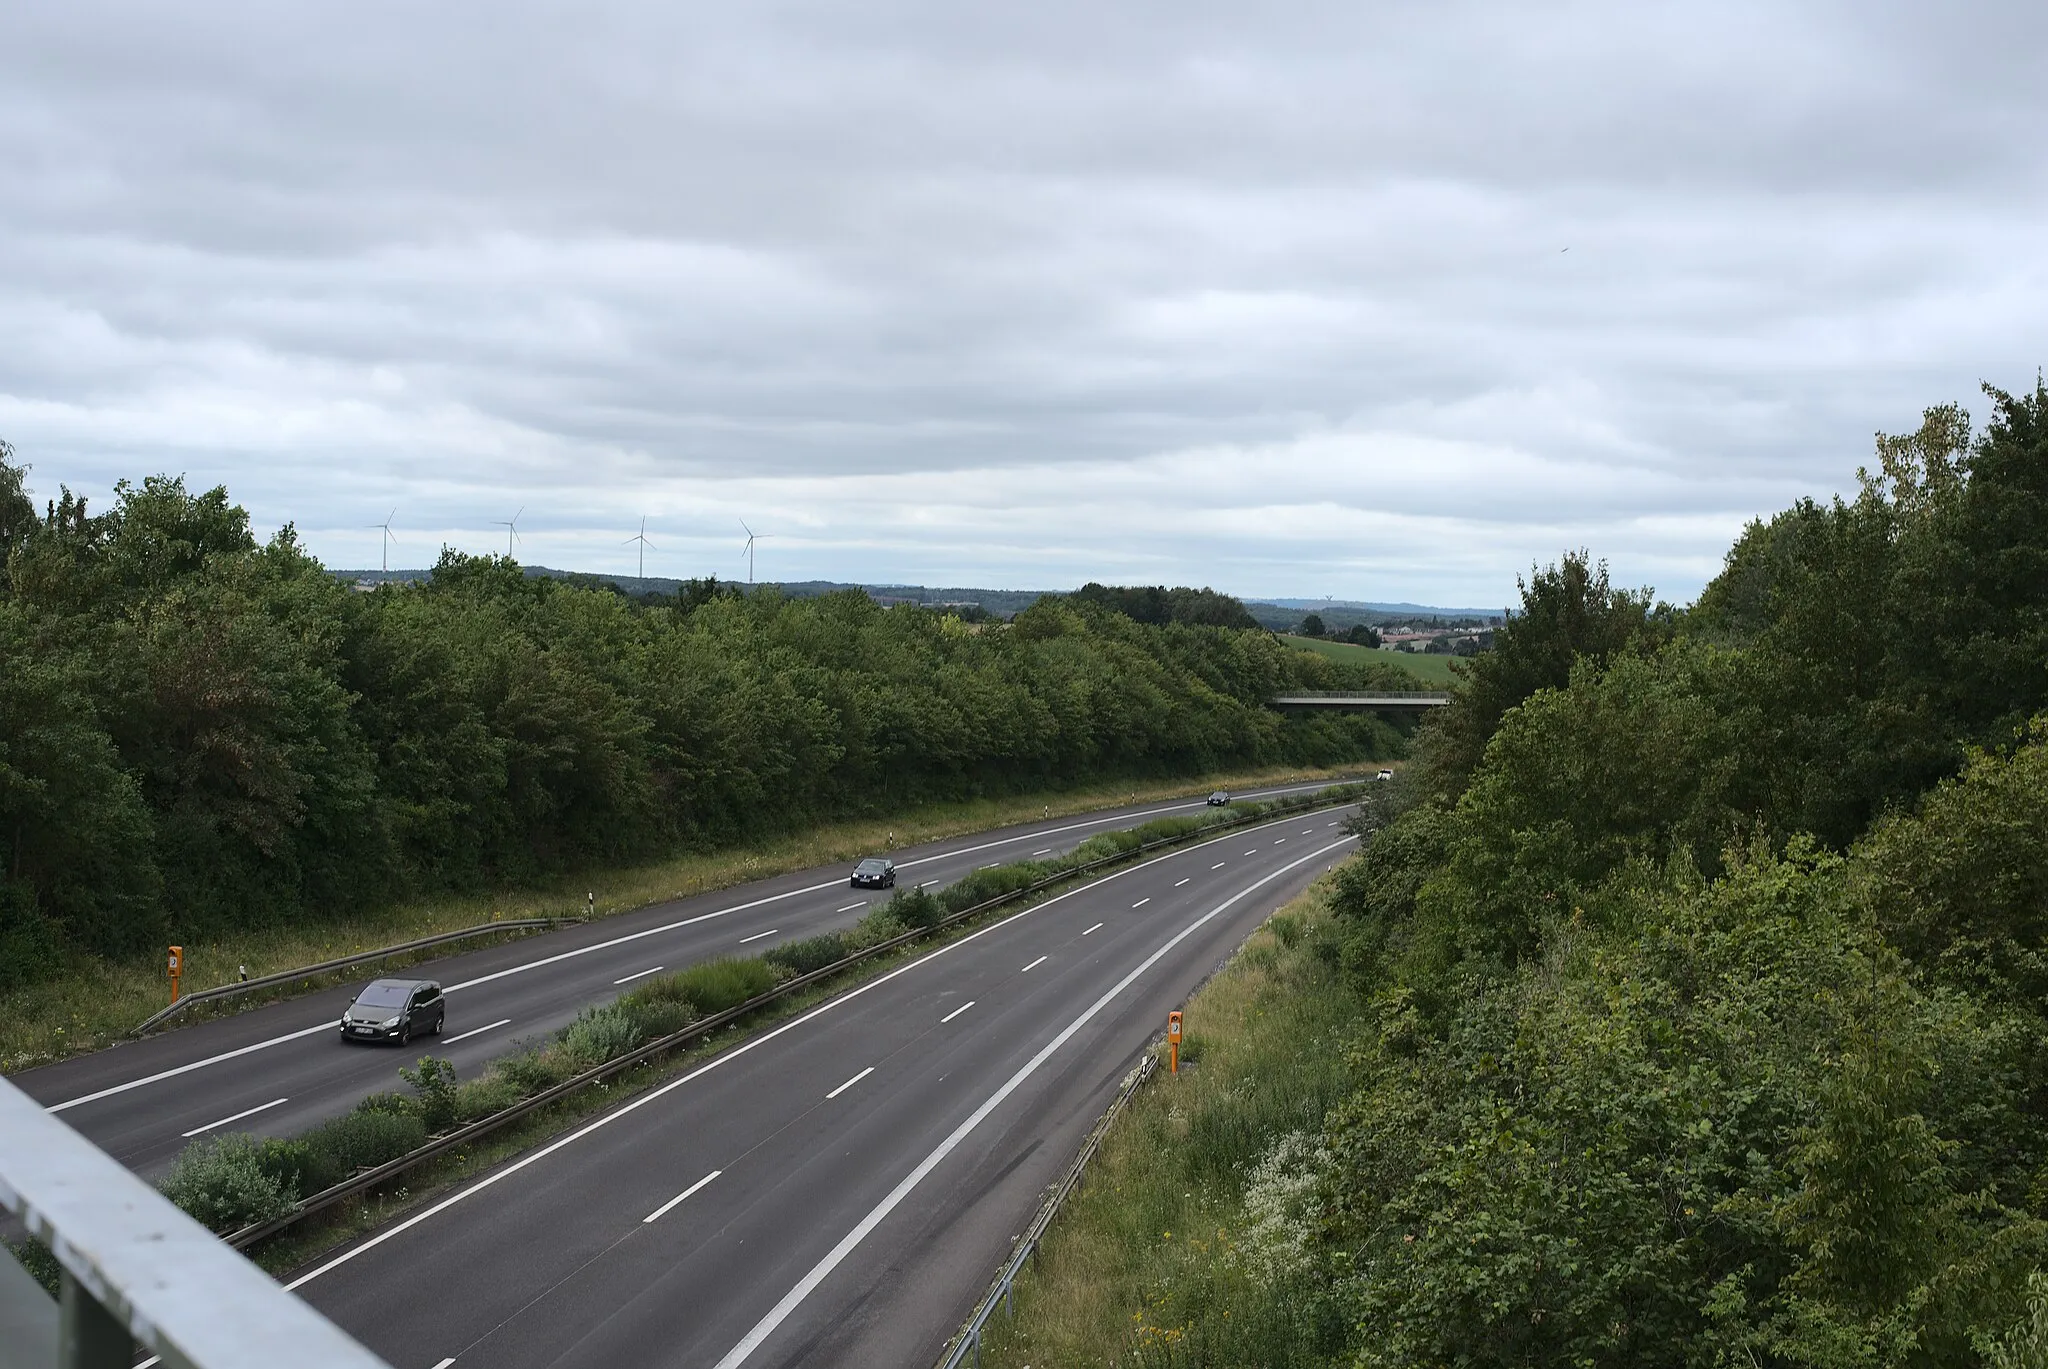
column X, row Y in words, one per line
column 1179, row 1248
column 95, row 1003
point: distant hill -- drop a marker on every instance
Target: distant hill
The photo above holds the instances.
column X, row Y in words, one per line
column 1278, row 614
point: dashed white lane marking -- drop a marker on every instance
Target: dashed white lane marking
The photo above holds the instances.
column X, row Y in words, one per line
column 820, row 1271
column 479, row 1031
column 956, row 1012
column 927, row 884
column 1254, row 851
column 663, row 1210
column 265, row 1107
column 1096, row 928
column 1279, row 841
column 851, row 906
column 1046, row 852
column 1141, row 903
column 766, row 1038
column 1219, row 865
column 1034, row 964
column 445, row 1363
column 1177, row 883
column 850, row 1083
column 758, row 935
column 641, row 974
column 544, row 961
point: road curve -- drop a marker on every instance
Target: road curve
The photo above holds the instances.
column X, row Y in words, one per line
column 838, row 1190
column 278, row 1069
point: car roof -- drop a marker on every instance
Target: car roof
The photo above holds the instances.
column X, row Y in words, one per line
column 874, row 860
column 399, row 984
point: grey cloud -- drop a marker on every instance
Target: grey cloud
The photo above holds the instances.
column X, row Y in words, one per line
column 637, row 258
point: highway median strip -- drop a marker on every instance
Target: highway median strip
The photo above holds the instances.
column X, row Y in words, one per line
column 252, row 1190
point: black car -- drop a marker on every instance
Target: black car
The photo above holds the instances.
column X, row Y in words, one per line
column 874, row 873
column 1220, row 799
column 395, row 1010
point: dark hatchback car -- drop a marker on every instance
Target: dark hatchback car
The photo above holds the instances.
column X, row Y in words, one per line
column 874, row 873
column 395, row 1010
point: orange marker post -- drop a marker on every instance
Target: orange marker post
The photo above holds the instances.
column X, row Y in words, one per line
column 177, row 968
column 1173, row 1038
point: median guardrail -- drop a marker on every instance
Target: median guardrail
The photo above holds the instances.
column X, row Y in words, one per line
column 703, row 1027
column 242, row 986
column 136, row 1270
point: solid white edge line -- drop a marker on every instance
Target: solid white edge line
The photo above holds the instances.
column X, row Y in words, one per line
column 264, row 1107
column 632, row 1106
column 663, row 1210
column 189, row 1066
column 639, row 974
column 956, row 1012
column 758, row 935
column 850, row 1083
column 1034, row 964
column 477, row 1031
column 194, row 1065
column 1096, row 928
column 820, row 1271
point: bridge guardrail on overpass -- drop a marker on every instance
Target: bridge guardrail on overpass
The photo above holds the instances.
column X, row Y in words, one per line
column 1364, row 698
column 137, row 1271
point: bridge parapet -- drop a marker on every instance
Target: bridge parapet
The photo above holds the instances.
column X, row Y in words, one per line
column 1354, row 698
column 137, row 1271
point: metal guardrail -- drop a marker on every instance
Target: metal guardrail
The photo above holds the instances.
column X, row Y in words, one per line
column 483, row 1126
column 1003, row 1290
column 136, row 1270
column 242, row 986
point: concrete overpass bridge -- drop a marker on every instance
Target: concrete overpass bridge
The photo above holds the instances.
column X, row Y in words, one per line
column 1375, row 700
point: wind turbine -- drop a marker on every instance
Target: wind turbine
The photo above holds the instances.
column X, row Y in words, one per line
column 752, row 537
column 389, row 536
column 511, row 527
column 644, row 545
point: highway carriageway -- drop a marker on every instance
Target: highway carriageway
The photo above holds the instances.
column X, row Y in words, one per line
column 838, row 1190
column 278, row 1069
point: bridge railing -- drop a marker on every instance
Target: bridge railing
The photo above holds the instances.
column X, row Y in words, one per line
column 136, row 1270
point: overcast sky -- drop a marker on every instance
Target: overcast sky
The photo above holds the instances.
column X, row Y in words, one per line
column 1382, row 301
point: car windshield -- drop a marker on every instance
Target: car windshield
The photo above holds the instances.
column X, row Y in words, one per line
column 384, row 996
column 873, row 867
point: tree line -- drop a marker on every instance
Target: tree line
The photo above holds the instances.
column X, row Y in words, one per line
column 200, row 732
column 1699, row 969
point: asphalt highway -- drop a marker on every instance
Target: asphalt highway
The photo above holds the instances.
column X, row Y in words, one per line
column 277, row 1069
column 838, row 1190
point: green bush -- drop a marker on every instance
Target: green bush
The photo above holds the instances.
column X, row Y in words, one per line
column 714, row 985
column 995, row 881
column 812, row 953
column 480, row 1098
column 914, row 908
column 360, row 1139
column 599, row 1034
column 433, row 1081
column 534, row 1069
column 41, row 1265
column 222, row 1183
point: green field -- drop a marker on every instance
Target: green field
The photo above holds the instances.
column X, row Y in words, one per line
column 1433, row 671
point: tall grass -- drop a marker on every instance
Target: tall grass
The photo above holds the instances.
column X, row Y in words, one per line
column 1177, row 1250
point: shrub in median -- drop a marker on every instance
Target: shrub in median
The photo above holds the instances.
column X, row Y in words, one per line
column 222, row 1182
column 601, row 1034
column 812, row 953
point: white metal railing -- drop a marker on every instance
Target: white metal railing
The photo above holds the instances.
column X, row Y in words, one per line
column 136, row 1270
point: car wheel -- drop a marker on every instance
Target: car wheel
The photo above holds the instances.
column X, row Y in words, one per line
column 440, row 1022
column 404, row 1033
